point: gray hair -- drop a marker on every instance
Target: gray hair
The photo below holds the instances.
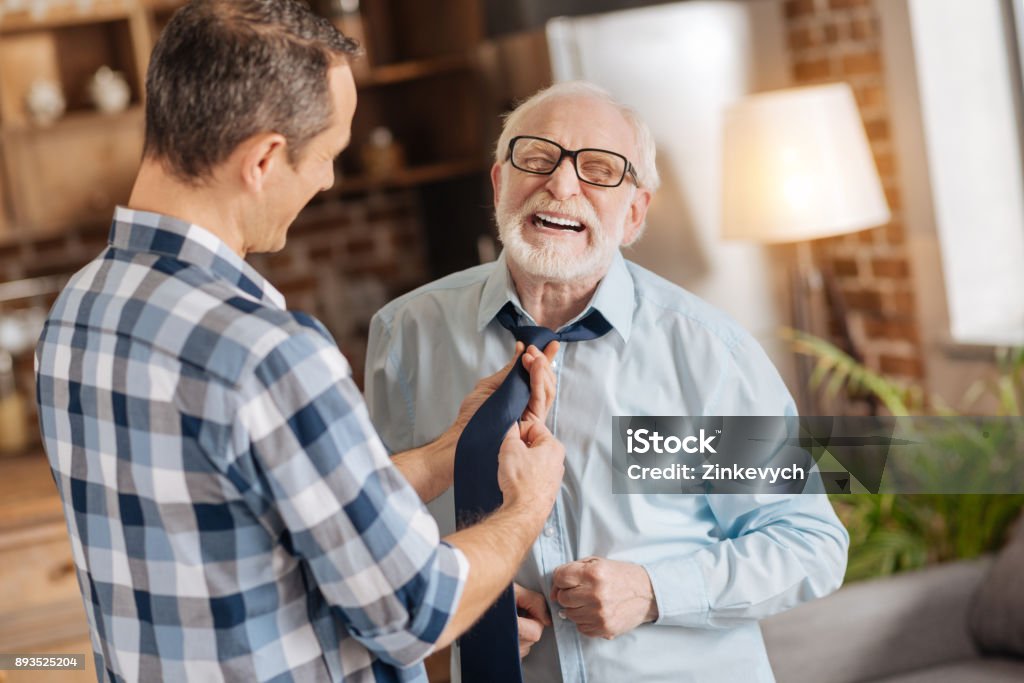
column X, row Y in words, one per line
column 224, row 71
column 646, row 169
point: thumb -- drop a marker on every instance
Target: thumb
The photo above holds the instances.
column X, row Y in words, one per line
column 520, row 348
column 513, row 433
column 533, row 432
column 491, row 382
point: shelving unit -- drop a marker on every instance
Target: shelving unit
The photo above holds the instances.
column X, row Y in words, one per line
column 74, row 170
column 420, row 79
column 423, row 81
column 402, row 72
column 406, row 178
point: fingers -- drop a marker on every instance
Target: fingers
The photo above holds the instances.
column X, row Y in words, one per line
column 532, row 353
column 533, row 617
column 542, row 381
column 492, row 381
column 484, row 388
column 572, row 598
column 572, row 584
column 551, row 350
column 530, row 632
column 569, row 575
column 530, row 467
column 514, row 433
column 533, row 604
column 533, row 433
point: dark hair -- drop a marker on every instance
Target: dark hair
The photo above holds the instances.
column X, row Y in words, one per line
column 224, row 70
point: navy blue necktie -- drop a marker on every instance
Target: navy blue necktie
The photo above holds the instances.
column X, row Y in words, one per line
column 490, row 650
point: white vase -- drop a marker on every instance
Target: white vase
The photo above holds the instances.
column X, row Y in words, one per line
column 44, row 102
column 109, row 90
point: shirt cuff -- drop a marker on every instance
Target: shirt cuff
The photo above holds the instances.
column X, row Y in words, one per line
column 459, row 569
column 455, row 566
column 679, row 591
column 408, row 647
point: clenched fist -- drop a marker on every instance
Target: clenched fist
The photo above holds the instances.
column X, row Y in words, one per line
column 604, row 598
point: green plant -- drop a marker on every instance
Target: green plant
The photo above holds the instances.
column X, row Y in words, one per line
column 896, row 532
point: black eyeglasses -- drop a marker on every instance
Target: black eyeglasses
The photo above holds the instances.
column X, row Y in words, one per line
column 541, row 156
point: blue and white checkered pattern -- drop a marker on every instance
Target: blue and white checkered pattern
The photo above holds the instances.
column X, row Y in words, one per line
column 233, row 515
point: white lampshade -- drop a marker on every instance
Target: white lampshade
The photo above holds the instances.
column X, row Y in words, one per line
column 797, row 166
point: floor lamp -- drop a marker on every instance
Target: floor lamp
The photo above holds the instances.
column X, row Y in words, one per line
column 797, row 167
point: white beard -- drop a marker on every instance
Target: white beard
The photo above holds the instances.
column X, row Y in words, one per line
column 551, row 260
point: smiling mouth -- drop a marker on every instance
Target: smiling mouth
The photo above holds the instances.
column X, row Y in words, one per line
column 544, row 220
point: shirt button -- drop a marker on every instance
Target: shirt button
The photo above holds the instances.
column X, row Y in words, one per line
column 549, row 531
column 554, row 364
column 561, row 614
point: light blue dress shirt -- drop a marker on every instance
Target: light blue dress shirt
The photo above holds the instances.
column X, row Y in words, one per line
column 718, row 563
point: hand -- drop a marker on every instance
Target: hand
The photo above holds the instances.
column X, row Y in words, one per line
column 542, row 385
column 604, row 598
column 483, row 389
column 533, row 617
column 542, row 381
column 531, row 463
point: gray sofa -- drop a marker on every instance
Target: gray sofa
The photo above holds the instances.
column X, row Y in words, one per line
column 909, row 628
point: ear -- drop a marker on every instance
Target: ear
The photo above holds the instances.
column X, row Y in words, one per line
column 496, row 182
column 636, row 216
column 261, row 156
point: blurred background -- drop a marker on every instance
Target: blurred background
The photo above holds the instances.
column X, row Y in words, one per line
column 870, row 234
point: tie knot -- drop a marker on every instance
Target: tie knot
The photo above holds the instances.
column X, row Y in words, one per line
column 591, row 326
column 533, row 334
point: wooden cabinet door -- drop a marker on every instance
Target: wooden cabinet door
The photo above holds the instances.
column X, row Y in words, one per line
column 73, row 172
column 41, row 612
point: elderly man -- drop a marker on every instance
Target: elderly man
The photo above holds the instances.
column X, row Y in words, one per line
column 233, row 515
column 641, row 587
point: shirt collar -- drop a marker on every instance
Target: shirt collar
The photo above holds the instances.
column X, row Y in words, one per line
column 146, row 231
column 614, row 298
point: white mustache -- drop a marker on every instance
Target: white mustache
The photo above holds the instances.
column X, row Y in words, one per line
column 578, row 209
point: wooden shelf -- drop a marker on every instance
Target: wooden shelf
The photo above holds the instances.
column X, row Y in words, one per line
column 162, row 5
column 409, row 177
column 24, row 234
column 65, row 15
column 77, row 120
column 391, row 74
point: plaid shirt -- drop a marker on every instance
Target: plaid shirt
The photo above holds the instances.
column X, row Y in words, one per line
column 233, row 515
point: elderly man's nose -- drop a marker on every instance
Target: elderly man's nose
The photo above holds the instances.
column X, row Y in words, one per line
column 564, row 182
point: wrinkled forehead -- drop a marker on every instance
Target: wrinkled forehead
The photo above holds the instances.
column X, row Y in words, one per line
column 578, row 122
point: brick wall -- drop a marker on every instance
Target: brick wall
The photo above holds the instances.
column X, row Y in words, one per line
column 840, row 40
column 343, row 261
column 347, row 259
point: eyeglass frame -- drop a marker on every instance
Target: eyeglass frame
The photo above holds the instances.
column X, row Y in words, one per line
column 573, row 154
